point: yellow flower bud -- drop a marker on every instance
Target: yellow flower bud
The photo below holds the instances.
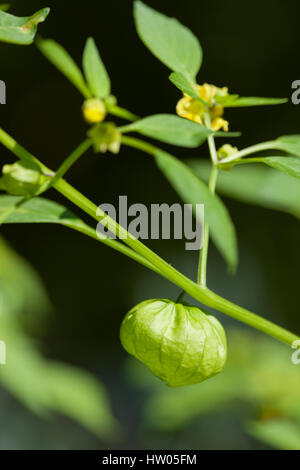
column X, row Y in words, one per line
column 94, row 110
column 226, row 151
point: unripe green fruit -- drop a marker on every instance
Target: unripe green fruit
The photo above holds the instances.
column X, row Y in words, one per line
column 181, row 344
column 22, row 179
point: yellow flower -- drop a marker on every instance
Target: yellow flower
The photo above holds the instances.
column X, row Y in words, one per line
column 94, row 110
column 194, row 110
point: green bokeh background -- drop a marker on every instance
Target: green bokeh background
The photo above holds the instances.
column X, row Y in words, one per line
column 251, row 47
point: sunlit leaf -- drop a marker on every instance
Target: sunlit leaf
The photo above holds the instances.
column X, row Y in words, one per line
column 22, row 292
column 77, row 394
column 194, row 191
column 289, row 144
column 185, row 85
column 255, row 184
column 95, row 71
column 20, row 30
column 235, row 101
column 288, row 165
column 45, row 386
column 62, row 60
column 39, row 210
column 170, row 129
column 170, row 41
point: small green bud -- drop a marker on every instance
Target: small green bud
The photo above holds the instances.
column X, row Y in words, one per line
column 22, row 179
column 180, row 344
column 111, row 100
column 226, row 150
column 105, row 137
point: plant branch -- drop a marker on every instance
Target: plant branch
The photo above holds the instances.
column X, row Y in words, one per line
column 202, row 266
column 71, row 159
column 200, row 293
column 248, row 151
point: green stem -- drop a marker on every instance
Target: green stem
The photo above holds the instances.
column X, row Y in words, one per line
column 248, row 151
column 122, row 113
column 202, row 266
column 200, row 293
column 71, row 159
column 116, row 245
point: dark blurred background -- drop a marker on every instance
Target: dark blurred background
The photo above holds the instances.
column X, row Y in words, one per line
column 251, row 47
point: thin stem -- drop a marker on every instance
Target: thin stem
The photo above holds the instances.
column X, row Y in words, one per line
column 122, row 113
column 248, row 151
column 115, row 244
column 202, row 266
column 71, row 159
column 180, row 297
column 199, row 293
column 211, row 140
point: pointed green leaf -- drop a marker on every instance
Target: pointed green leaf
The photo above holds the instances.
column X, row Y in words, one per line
column 289, row 144
column 77, row 394
column 288, row 165
column 62, row 60
column 170, row 41
column 235, row 101
column 20, row 30
column 186, row 85
column 170, row 129
column 39, row 210
column 95, row 71
column 194, row 191
column 255, row 184
column 47, row 386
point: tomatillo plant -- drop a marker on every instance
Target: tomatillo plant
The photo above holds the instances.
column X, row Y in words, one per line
column 180, row 343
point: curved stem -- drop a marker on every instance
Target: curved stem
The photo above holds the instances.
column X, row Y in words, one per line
column 200, row 293
column 202, row 266
column 116, row 245
column 71, row 159
column 122, row 113
column 248, row 151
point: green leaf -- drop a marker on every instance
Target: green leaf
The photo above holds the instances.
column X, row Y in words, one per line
column 22, row 293
column 255, row 184
column 95, row 71
column 77, row 394
column 20, row 30
column 288, row 165
column 39, row 210
column 62, row 60
column 170, row 41
column 185, row 85
column 289, row 144
column 44, row 386
column 170, row 129
column 280, row 433
column 194, row 191
column 234, row 101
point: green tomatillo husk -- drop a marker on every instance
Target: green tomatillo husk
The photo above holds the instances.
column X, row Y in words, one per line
column 179, row 343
